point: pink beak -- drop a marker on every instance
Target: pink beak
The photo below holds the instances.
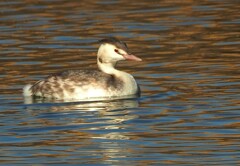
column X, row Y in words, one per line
column 132, row 57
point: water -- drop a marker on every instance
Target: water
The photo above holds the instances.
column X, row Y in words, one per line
column 188, row 113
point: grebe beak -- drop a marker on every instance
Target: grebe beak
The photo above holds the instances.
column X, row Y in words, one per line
column 131, row 57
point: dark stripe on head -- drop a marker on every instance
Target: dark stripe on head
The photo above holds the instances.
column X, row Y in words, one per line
column 114, row 41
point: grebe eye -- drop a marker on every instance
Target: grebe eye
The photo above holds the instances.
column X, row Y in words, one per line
column 116, row 50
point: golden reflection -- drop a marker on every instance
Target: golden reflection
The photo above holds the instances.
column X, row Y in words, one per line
column 189, row 49
column 106, row 123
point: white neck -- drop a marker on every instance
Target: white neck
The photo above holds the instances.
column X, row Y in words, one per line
column 107, row 59
column 107, row 68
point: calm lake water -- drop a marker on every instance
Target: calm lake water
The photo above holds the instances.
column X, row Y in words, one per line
column 189, row 111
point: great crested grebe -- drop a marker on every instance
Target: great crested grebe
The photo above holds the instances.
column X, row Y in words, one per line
column 86, row 84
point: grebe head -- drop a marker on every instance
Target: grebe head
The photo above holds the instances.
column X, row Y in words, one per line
column 113, row 50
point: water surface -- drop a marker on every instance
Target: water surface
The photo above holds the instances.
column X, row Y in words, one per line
column 188, row 113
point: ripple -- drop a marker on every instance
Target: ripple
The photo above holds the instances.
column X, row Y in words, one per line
column 188, row 113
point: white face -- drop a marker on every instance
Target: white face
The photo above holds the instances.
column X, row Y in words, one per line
column 110, row 53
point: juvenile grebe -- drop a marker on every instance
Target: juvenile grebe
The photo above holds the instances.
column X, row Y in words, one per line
column 85, row 84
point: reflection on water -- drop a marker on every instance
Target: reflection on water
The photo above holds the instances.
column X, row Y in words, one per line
column 107, row 105
column 189, row 110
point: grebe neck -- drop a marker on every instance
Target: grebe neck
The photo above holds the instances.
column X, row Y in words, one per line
column 107, row 67
column 106, row 61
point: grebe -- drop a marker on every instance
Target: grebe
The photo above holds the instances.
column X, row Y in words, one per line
column 86, row 84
